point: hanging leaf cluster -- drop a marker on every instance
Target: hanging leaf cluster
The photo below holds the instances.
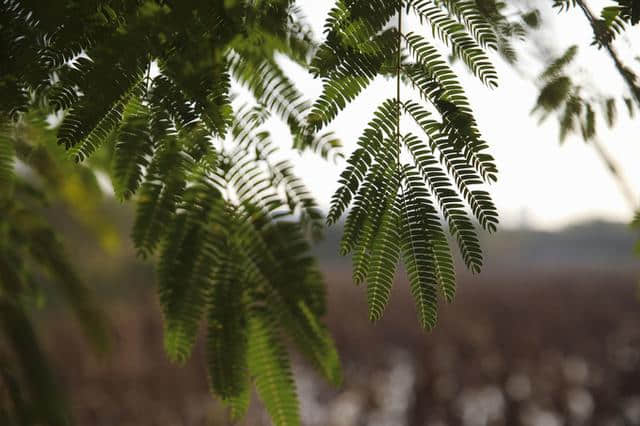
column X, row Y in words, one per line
column 149, row 81
column 227, row 218
column 397, row 202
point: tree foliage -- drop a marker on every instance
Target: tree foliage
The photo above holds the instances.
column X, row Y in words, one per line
column 397, row 201
column 148, row 85
column 150, row 82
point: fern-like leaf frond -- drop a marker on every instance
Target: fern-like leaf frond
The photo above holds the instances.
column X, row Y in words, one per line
column 474, row 20
column 133, row 148
column 271, row 370
column 417, row 255
column 370, row 145
column 97, row 113
column 354, row 52
column 456, row 164
column 426, row 250
column 384, row 253
column 227, row 335
column 159, row 195
column 186, row 264
column 455, row 35
column 438, row 84
column 450, row 203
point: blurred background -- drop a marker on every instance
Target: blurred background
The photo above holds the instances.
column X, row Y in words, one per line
column 548, row 334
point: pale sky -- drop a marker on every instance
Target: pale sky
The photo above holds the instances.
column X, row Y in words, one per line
column 540, row 182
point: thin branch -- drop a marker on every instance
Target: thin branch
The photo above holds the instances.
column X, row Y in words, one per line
column 626, row 74
column 398, row 79
column 623, row 184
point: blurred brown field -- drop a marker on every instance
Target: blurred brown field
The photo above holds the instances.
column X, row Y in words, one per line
column 548, row 335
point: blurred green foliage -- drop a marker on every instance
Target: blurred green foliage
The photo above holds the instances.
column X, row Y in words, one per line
column 33, row 263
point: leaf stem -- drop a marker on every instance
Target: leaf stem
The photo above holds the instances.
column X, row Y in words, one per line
column 398, row 79
column 613, row 168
